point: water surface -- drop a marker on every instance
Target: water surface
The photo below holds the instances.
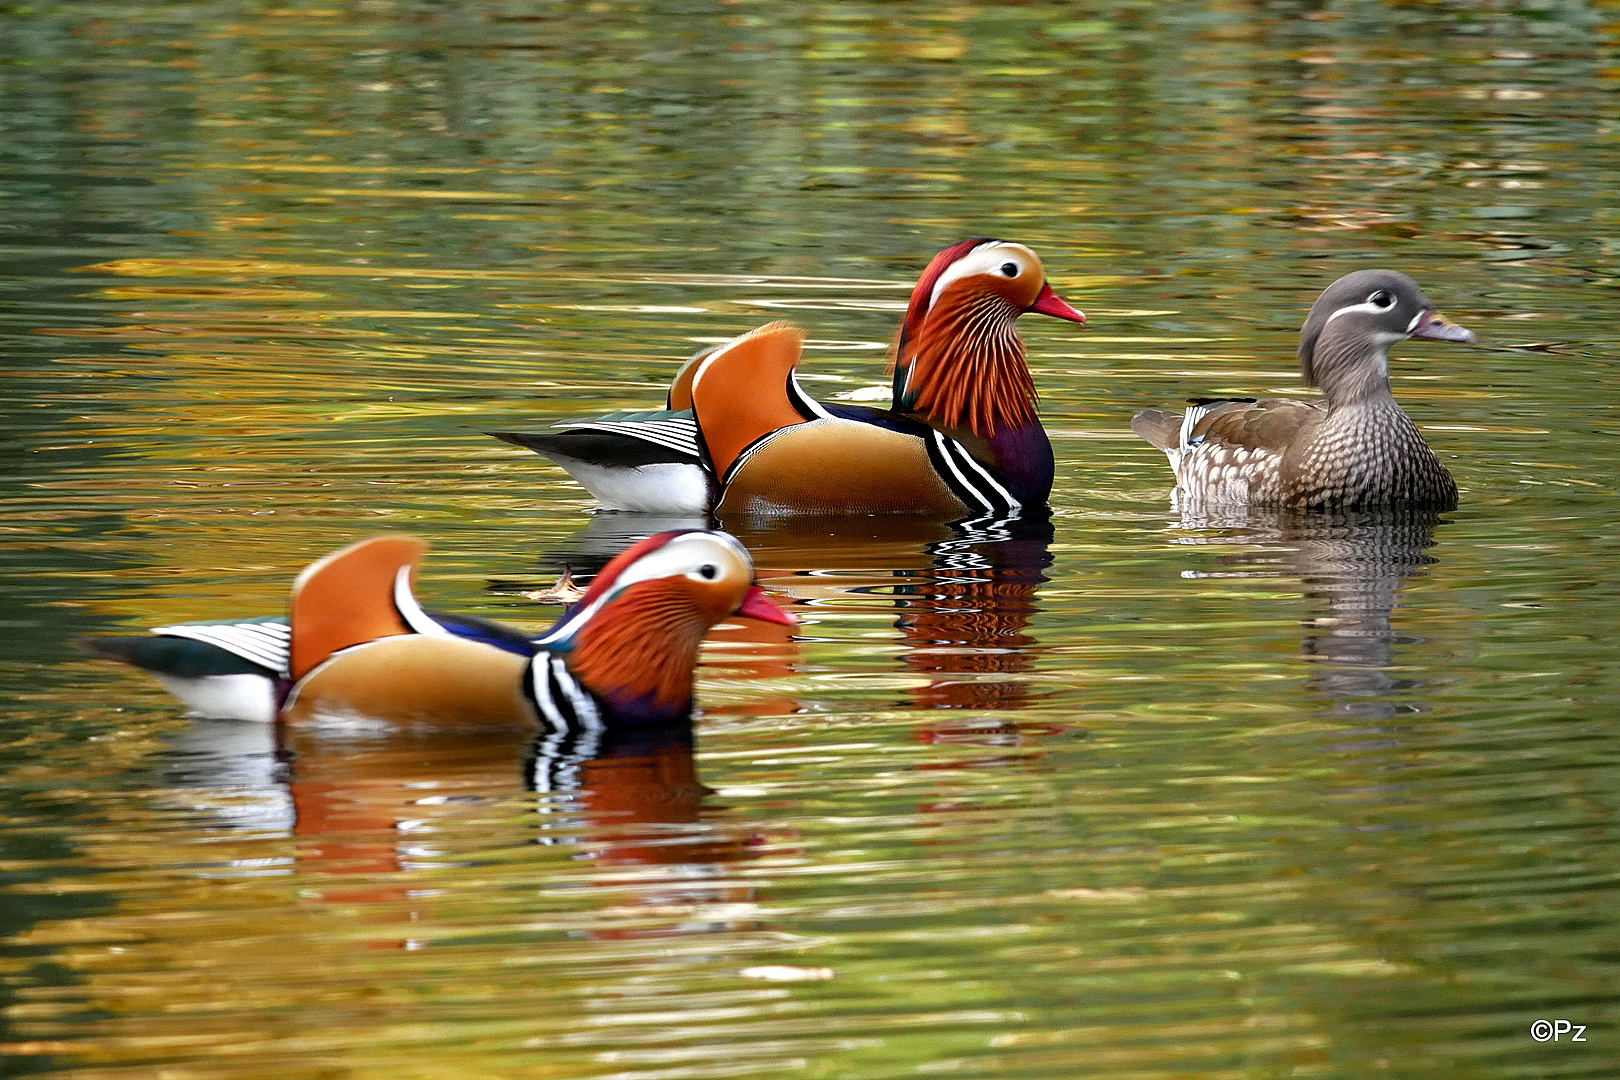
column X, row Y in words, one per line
column 1131, row 796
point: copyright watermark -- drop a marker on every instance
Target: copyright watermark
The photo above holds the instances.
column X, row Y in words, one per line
column 1557, row 1031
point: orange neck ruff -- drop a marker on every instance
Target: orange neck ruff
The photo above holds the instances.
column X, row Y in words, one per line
column 641, row 647
column 965, row 368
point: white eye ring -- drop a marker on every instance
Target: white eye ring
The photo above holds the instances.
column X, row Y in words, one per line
column 1381, row 299
column 1010, row 269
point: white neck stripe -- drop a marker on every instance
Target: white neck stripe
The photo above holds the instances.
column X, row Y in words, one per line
column 974, row 262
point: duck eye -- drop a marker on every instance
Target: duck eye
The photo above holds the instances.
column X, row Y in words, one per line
column 1381, row 299
column 1010, row 269
column 708, row 571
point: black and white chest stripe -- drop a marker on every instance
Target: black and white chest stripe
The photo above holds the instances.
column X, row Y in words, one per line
column 562, row 703
column 967, row 478
column 573, row 722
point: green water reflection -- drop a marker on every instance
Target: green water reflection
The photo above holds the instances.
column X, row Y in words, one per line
column 1146, row 797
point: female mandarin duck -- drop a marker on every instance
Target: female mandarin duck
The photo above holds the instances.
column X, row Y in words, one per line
column 357, row 644
column 739, row 434
column 1356, row 449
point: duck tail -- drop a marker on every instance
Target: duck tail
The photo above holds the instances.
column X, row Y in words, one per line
column 1159, row 427
column 166, row 655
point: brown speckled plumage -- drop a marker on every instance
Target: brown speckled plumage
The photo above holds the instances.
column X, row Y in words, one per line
column 1355, row 449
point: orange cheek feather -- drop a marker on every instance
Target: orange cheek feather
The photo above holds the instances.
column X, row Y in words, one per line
column 645, row 642
column 967, row 366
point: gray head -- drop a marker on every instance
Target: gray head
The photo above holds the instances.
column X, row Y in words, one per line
column 1347, row 335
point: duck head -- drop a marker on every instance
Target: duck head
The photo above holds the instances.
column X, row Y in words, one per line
column 632, row 639
column 1344, row 344
column 959, row 362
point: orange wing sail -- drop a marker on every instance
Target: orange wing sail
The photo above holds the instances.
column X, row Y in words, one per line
column 740, row 391
column 347, row 598
column 680, row 390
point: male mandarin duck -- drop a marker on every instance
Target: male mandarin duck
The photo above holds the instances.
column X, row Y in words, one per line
column 357, row 644
column 1355, row 449
column 739, row 434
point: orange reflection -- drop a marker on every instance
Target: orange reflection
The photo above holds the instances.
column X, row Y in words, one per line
column 964, row 593
column 368, row 806
column 966, row 621
column 633, row 800
column 358, row 798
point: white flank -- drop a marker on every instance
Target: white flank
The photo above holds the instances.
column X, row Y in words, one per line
column 668, row 488
column 224, row 697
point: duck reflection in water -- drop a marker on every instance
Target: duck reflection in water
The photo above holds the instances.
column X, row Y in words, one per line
column 387, row 762
column 1354, row 564
column 631, row 804
column 374, row 811
column 967, row 620
column 963, row 594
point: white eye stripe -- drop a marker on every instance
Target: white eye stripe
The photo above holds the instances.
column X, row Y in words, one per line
column 1369, row 308
column 984, row 259
column 682, row 555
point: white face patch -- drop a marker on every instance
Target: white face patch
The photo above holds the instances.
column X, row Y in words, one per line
column 701, row 556
column 989, row 259
column 1413, row 325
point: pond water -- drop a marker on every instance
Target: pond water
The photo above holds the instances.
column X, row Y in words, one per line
column 1135, row 796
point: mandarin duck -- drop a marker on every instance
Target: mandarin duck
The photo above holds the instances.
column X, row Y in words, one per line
column 738, row 434
column 1355, row 449
column 356, row 643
